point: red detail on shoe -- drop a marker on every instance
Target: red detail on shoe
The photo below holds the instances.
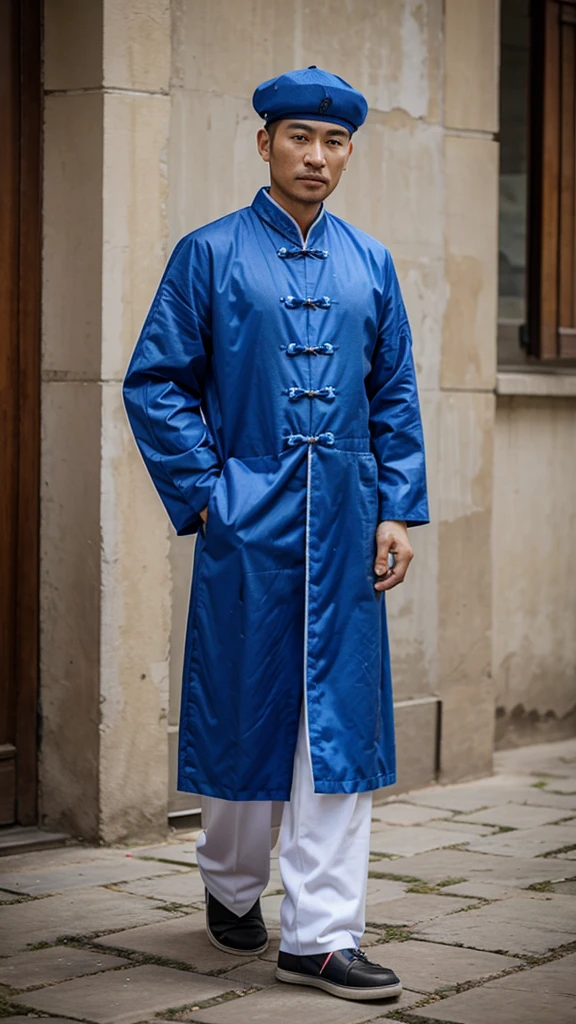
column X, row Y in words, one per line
column 326, row 961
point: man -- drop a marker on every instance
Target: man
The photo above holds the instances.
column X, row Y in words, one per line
column 273, row 398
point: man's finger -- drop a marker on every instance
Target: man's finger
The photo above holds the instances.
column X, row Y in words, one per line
column 384, row 543
column 402, row 559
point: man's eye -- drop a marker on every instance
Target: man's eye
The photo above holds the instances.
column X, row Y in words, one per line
column 299, row 138
column 334, row 142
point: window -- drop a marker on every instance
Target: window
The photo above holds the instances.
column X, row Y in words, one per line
column 537, row 248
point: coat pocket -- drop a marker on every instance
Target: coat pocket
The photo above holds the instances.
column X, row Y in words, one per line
column 272, row 622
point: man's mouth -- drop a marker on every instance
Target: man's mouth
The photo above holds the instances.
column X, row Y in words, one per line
column 307, row 177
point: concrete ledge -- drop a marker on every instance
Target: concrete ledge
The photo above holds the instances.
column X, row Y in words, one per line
column 545, row 385
column 417, row 740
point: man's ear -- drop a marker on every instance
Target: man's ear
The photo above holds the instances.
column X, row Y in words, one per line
column 263, row 143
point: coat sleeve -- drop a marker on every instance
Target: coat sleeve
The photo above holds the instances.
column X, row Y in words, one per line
column 395, row 423
column 163, row 388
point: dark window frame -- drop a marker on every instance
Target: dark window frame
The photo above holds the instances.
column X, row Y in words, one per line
column 548, row 337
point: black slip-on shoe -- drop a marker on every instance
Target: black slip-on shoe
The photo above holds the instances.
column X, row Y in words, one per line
column 244, row 936
column 346, row 973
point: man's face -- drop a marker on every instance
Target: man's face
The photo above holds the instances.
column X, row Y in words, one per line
column 306, row 158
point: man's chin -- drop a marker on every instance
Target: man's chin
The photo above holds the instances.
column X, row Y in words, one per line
column 311, row 193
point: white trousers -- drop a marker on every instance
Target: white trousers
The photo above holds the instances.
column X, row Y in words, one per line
column 324, row 853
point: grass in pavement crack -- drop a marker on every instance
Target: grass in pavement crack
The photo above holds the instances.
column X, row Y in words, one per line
column 174, row 1012
column 561, row 849
column 423, row 888
column 435, row 889
column 391, row 932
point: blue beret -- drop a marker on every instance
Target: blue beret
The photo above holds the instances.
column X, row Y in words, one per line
column 312, row 94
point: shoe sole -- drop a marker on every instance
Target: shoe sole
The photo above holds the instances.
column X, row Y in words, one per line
column 342, row 991
column 236, row 952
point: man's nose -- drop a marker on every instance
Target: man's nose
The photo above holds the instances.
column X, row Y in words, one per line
column 315, row 155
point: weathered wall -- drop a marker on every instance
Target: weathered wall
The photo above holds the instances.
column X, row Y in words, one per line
column 534, row 560
column 423, row 179
column 147, row 136
column 105, row 590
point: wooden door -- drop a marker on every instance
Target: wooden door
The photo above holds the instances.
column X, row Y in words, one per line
column 552, row 245
column 20, row 117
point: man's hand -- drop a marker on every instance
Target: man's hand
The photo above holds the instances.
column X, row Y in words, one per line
column 204, row 514
column 392, row 537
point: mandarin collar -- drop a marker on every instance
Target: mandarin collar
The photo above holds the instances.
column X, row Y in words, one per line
column 269, row 211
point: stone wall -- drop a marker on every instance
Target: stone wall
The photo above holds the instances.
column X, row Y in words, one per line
column 149, row 132
column 105, row 588
column 534, row 559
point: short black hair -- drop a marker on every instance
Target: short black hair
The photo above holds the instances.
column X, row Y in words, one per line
column 271, row 129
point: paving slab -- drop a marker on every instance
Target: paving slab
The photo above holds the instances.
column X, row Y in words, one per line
column 526, row 842
column 174, row 853
column 528, row 924
column 470, row 797
column 438, row 865
column 466, row 830
column 414, row 908
column 271, row 954
column 481, row 890
column 254, row 973
column 124, row 997
column 58, row 963
column 293, row 1005
column 488, row 1004
column 80, row 876
column 271, row 909
column 541, row 995
column 559, row 755
column 542, row 798
column 81, row 912
column 184, row 886
column 182, row 939
column 428, row 966
column 380, row 890
column 40, row 859
column 411, row 839
column 407, row 814
column 513, row 816
column 556, row 976
column 52, row 1020
column 566, row 786
column 565, row 888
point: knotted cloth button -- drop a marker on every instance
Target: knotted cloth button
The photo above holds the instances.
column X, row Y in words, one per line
column 326, row 439
column 291, row 302
column 328, row 394
column 294, row 254
column 296, row 348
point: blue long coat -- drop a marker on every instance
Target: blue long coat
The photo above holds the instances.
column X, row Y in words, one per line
column 274, row 383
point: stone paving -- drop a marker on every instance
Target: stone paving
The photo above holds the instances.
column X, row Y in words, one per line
column 471, row 898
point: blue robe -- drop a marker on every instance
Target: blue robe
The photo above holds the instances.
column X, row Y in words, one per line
column 273, row 382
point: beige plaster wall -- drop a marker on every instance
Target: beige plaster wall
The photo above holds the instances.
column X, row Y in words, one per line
column 105, row 589
column 423, row 179
column 534, row 559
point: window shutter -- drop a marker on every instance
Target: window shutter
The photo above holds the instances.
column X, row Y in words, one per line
column 552, row 276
